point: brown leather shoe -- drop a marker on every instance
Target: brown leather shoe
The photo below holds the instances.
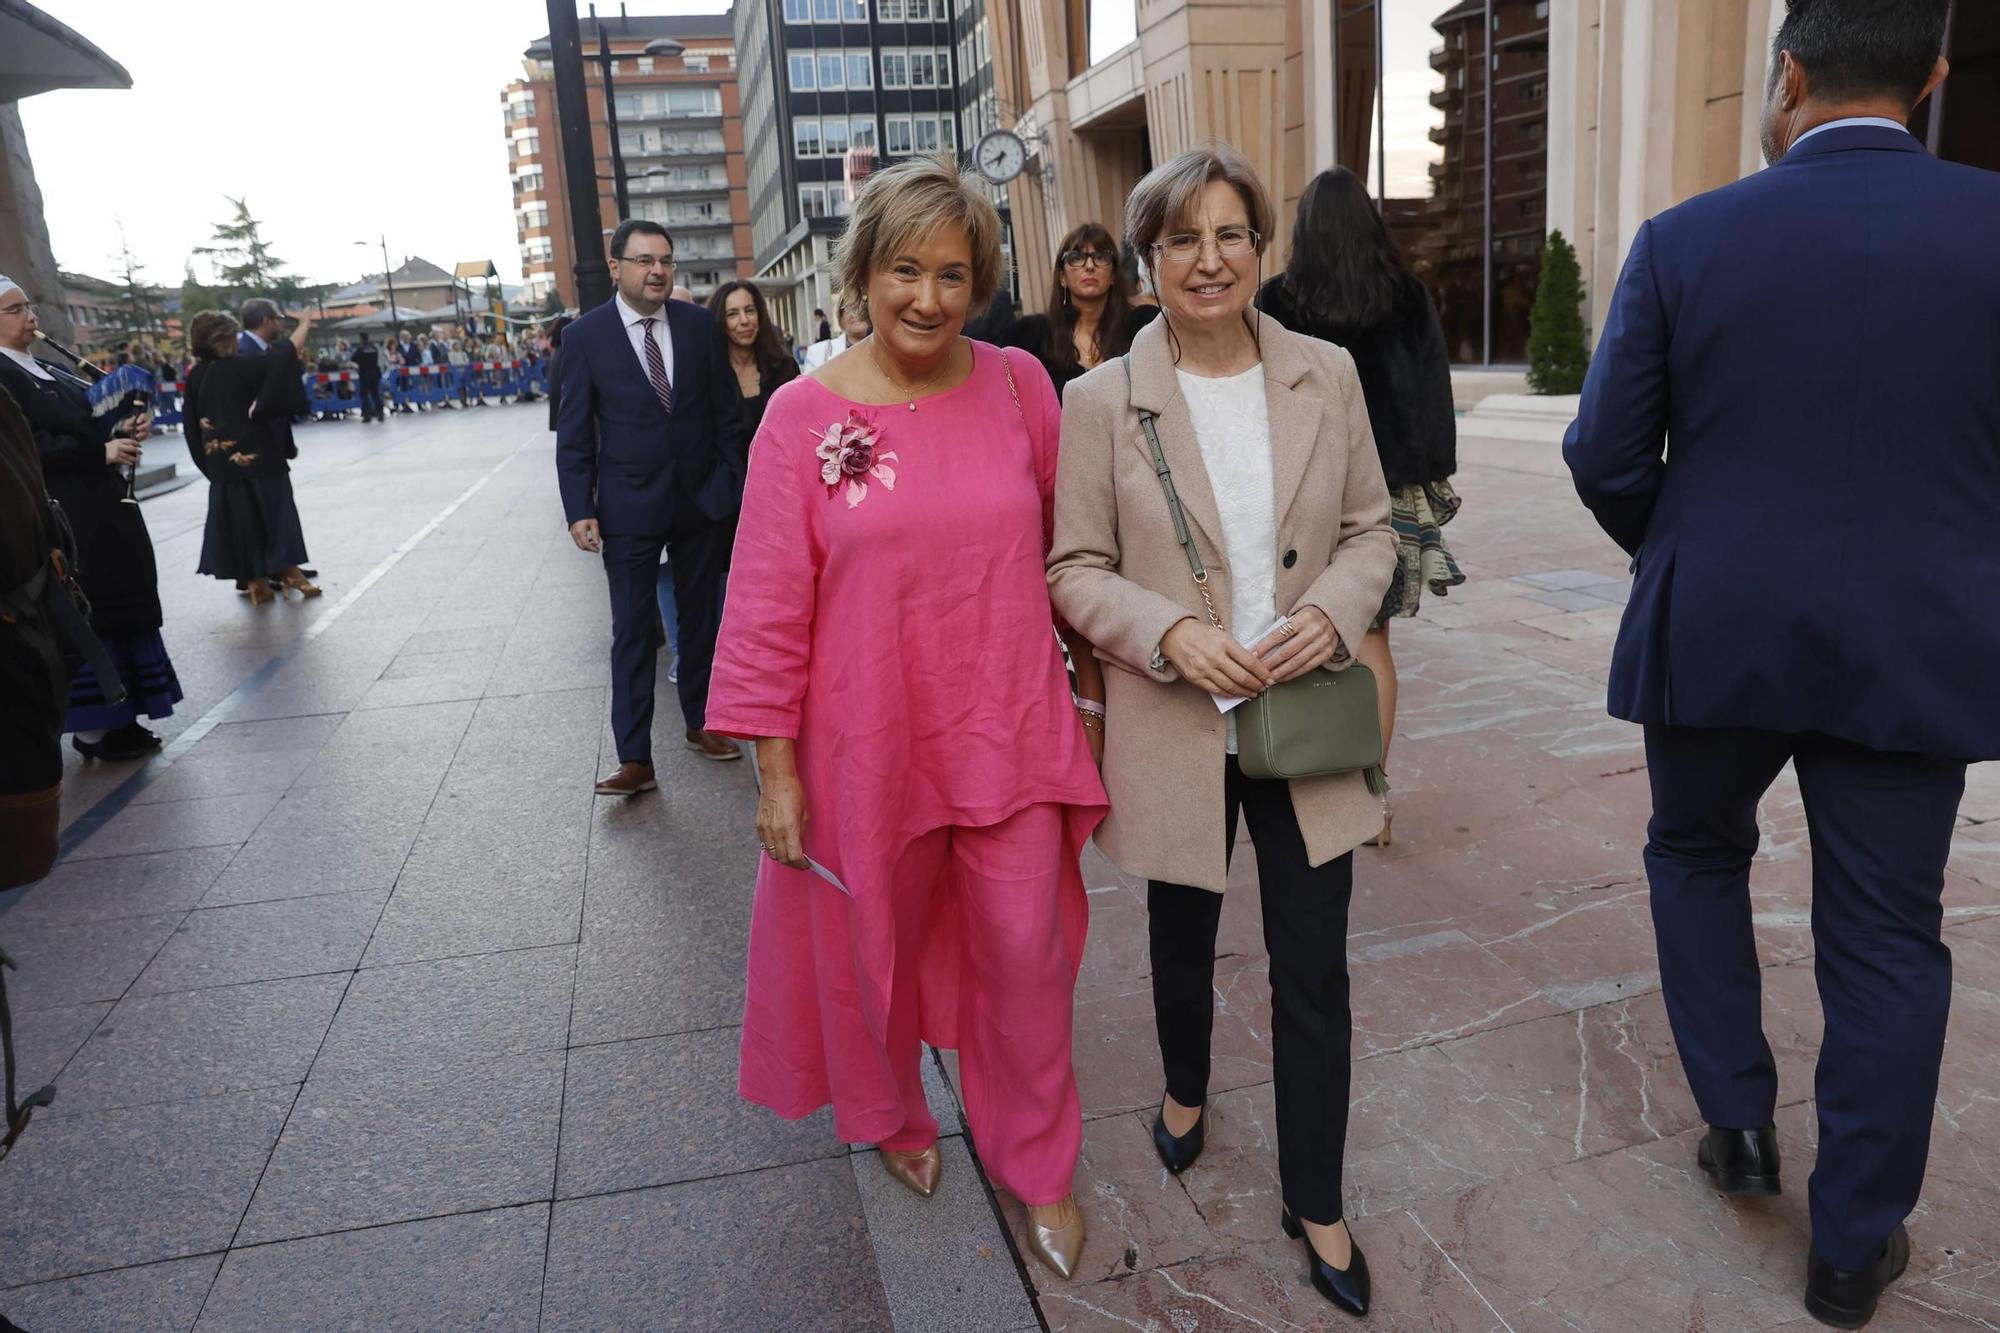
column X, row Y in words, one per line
column 629, row 780
column 719, row 748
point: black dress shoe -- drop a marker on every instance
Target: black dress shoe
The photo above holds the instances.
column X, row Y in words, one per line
column 1845, row 1298
column 1178, row 1154
column 1741, row 1161
column 1348, row 1287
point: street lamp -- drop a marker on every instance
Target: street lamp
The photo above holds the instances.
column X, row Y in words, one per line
column 662, row 46
column 389, row 277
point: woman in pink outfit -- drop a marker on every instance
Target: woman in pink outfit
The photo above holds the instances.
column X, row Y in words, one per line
column 928, row 779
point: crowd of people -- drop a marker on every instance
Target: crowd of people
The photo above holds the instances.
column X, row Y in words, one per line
column 977, row 600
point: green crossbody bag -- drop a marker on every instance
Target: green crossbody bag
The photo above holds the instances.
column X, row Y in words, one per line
column 1323, row 723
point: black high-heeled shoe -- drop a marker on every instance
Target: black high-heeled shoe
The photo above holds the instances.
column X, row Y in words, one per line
column 1347, row 1287
column 1178, row 1154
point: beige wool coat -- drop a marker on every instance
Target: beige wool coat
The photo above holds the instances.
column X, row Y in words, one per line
column 1118, row 575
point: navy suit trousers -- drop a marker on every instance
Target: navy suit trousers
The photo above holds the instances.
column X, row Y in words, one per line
column 1880, row 826
column 699, row 553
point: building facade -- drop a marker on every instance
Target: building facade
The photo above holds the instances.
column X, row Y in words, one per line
column 1597, row 114
column 832, row 88
column 675, row 98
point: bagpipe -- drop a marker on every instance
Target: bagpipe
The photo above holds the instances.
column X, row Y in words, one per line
column 119, row 395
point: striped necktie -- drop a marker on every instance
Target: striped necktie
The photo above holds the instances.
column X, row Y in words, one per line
column 656, row 367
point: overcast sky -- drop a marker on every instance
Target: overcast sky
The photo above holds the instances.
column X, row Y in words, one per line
column 338, row 121
column 342, row 122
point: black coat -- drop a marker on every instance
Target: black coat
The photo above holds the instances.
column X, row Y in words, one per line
column 113, row 549
column 243, row 405
column 1032, row 334
column 1405, row 378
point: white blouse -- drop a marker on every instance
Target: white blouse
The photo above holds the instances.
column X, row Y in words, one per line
column 1232, row 425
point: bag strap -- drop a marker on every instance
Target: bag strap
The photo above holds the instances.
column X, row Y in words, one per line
column 1007, row 363
column 1166, row 476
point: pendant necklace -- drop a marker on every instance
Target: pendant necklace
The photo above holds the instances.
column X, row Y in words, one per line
column 908, row 394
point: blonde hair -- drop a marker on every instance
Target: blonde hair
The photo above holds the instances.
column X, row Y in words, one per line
column 1167, row 197
column 901, row 205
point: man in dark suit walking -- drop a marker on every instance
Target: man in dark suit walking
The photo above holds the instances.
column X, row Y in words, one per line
column 651, row 455
column 1816, row 556
column 368, row 370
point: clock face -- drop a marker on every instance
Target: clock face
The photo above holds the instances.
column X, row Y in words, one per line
column 1001, row 156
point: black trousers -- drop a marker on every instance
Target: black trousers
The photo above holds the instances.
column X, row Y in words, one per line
column 699, row 552
column 1880, row 825
column 1305, row 932
column 371, row 399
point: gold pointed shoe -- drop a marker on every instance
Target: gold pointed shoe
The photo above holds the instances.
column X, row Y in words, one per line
column 1061, row 1246
column 918, row 1171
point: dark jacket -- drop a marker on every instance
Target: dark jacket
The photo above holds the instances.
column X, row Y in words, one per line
column 1405, row 378
column 620, row 457
column 368, row 363
column 1032, row 334
column 242, row 405
column 114, row 550
column 34, row 680
column 1819, row 550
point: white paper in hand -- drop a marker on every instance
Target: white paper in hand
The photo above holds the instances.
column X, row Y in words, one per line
column 828, row 876
column 1227, row 704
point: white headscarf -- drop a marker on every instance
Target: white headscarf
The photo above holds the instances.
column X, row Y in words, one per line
column 22, row 359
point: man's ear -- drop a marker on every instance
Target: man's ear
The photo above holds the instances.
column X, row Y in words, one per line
column 1939, row 73
column 1793, row 86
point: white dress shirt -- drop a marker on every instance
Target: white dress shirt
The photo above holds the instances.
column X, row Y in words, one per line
column 1232, row 427
column 636, row 331
column 28, row 363
column 1877, row 122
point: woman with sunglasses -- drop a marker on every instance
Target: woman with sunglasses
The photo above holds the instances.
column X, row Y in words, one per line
column 1091, row 317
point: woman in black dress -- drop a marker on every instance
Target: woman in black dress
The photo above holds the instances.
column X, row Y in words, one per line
column 1091, row 316
column 1344, row 282
column 82, row 459
column 756, row 353
column 232, row 404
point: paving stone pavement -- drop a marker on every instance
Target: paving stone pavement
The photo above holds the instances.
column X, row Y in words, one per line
column 364, row 1014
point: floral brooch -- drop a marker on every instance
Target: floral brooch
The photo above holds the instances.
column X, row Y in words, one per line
column 850, row 452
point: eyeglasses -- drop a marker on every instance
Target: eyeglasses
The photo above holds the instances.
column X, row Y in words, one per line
column 1185, row 247
column 24, row 308
column 1088, row 258
column 645, row 261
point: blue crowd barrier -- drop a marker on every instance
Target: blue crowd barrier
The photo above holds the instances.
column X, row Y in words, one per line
column 333, row 391
column 167, row 403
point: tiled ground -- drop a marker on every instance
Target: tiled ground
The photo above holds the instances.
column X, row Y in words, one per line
column 364, row 1014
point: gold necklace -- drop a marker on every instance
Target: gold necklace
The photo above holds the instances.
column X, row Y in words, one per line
column 909, row 394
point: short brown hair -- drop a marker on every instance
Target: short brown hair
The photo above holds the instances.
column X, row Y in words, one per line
column 210, row 331
column 901, row 204
column 1166, row 197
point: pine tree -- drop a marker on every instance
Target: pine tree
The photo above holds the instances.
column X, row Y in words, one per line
column 137, row 310
column 242, row 260
column 1557, row 355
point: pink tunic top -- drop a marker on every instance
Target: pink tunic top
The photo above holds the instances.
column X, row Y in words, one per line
column 896, row 623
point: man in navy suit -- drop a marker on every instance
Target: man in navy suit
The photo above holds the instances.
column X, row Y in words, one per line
column 1793, row 424
column 651, row 455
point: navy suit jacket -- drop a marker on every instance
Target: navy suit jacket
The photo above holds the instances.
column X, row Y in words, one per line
column 620, row 458
column 1793, row 424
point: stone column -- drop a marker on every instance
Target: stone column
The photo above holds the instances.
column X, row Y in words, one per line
column 25, row 254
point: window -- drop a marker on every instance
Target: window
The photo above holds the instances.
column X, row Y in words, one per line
column 923, row 69
column 838, row 204
column 945, row 135
column 535, row 215
column 805, row 137
column 645, row 64
column 861, row 132
column 695, row 64
column 528, row 145
column 980, row 49
column 800, row 70
column 826, row 11
column 832, row 71
column 1534, row 91
column 860, row 70
column 920, row 11
column 853, row 11
column 833, row 137
column 897, row 128
column 895, row 69
column 798, row 11
column 528, row 181
column 812, row 201
column 889, row 11
column 927, row 134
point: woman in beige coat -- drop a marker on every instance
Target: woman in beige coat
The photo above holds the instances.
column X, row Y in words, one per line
column 1266, row 435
